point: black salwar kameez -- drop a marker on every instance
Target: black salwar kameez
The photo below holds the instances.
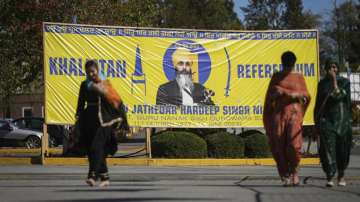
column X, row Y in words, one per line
column 97, row 120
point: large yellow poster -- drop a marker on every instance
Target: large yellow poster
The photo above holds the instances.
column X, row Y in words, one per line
column 173, row 77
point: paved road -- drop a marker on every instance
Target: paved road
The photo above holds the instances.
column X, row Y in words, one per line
column 248, row 183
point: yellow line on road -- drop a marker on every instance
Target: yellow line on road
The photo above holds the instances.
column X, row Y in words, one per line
column 56, row 150
column 151, row 162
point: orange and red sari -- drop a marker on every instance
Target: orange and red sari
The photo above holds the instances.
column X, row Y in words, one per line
column 286, row 101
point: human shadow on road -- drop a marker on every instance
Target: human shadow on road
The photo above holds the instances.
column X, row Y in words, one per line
column 70, row 186
column 254, row 188
column 138, row 199
column 257, row 193
column 334, row 189
column 90, row 189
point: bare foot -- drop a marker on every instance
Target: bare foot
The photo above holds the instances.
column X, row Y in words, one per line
column 286, row 181
column 295, row 180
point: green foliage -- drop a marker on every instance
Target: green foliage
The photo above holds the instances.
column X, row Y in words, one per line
column 200, row 14
column 248, row 133
column 20, row 49
column 177, row 144
column 202, row 132
column 224, row 145
column 21, row 28
column 263, row 14
column 344, row 29
column 278, row 14
column 342, row 34
column 137, row 13
column 295, row 18
column 257, row 146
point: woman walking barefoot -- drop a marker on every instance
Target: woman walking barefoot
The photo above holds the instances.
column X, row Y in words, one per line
column 286, row 101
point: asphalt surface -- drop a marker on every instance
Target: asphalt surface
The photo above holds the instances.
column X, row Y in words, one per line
column 38, row 183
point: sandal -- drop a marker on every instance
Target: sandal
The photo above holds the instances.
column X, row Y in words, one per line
column 91, row 180
column 104, row 177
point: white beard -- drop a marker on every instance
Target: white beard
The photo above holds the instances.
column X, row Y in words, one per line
column 185, row 81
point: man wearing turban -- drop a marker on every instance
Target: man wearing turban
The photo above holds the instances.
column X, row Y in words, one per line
column 183, row 90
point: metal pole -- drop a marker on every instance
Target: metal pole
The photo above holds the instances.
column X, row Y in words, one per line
column 148, row 142
column 44, row 144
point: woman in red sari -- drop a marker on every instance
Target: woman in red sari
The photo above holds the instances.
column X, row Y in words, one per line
column 286, row 101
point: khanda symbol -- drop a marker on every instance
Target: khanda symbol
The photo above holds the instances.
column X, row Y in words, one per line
column 138, row 77
column 227, row 88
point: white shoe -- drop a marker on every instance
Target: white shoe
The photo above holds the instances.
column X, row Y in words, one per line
column 104, row 183
column 330, row 183
column 342, row 183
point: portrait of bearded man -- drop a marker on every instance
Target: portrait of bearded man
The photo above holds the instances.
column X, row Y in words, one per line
column 183, row 90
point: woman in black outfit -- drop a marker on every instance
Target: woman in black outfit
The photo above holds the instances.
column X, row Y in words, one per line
column 99, row 112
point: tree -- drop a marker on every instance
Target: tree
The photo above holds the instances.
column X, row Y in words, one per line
column 355, row 42
column 20, row 47
column 295, row 18
column 278, row 14
column 21, row 28
column 311, row 20
column 344, row 29
column 21, row 43
column 200, row 14
column 21, row 34
column 263, row 14
column 139, row 13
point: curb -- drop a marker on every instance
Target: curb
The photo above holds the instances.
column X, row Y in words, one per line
column 151, row 162
column 20, row 161
column 28, row 151
column 53, row 151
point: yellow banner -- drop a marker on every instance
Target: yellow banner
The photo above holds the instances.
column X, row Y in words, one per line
column 173, row 77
